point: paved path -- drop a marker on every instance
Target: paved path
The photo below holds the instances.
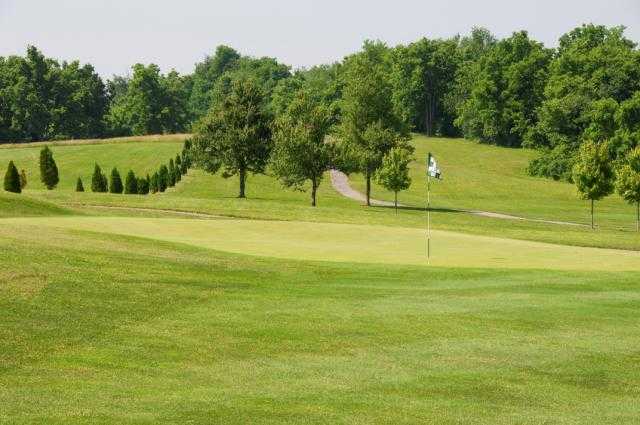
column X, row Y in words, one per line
column 340, row 182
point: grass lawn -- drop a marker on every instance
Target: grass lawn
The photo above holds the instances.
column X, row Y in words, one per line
column 102, row 329
column 476, row 177
column 193, row 306
column 350, row 243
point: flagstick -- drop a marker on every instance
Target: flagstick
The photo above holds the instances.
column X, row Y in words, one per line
column 428, row 218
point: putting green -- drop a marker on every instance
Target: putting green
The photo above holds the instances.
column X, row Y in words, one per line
column 350, row 243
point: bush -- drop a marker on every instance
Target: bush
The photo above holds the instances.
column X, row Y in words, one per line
column 172, row 174
column 143, row 185
column 131, row 184
column 79, row 185
column 48, row 169
column 98, row 180
column 163, row 178
column 153, row 183
column 12, row 179
column 23, row 179
column 115, row 186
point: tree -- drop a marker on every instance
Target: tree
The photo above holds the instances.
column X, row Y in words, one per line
column 23, row 179
column 301, row 152
column 506, row 91
column 394, row 173
column 98, row 180
column 235, row 134
column 131, row 184
column 115, row 185
column 153, row 183
column 172, row 174
column 79, row 185
column 592, row 173
column 143, row 185
column 163, row 178
column 178, row 168
column 595, row 68
column 370, row 126
column 12, row 179
column 48, row 169
column 628, row 181
column 206, row 75
column 421, row 76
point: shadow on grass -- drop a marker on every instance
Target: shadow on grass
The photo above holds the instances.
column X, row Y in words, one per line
column 423, row 209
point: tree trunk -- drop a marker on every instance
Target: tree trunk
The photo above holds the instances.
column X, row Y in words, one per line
column 637, row 216
column 314, row 188
column 368, row 188
column 592, row 226
column 243, row 177
column 396, row 201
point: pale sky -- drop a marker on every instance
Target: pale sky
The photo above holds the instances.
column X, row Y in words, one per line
column 113, row 35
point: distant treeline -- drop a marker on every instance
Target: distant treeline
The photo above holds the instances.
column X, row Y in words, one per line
column 511, row 92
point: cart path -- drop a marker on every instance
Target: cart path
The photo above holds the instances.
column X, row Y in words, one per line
column 340, row 182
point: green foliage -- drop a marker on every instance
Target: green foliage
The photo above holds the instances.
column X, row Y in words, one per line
column 205, row 77
column 143, row 185
column 79, row 185
column 153, row 183
column 370, row 126
column 115, row 184
column 595, row 70
column 628, row 181
column 593, row 173
column 23, row 179
column 98, row 180
column 12, row 179
column 506, row 91
column 131, row 184
column 171, row 174
column 163, row 178
column 42, row 99
column 421, row 76
column 235, row 134
column 152, row 103
column 48, row 169
column 394, row 173
column 301, row 152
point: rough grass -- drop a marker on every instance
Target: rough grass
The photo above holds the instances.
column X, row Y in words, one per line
column 101, row 329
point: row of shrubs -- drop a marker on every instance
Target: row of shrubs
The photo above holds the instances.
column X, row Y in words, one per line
column 166, row 176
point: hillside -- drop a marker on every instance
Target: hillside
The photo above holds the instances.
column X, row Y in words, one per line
column 476, row 176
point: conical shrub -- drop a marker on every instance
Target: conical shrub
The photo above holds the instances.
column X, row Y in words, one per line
column 115, row 185
column 131, row 184
column 12, row 179
column 79, row 185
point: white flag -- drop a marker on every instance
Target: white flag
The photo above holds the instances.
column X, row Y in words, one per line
column 432, row 167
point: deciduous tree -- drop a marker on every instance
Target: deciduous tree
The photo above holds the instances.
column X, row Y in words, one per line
column 593, row 173
column 394, row 173
column 628, row 181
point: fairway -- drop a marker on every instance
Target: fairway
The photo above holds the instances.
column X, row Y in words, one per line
column 351, row 243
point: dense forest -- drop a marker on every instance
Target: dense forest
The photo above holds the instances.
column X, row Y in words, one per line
column 511, row 92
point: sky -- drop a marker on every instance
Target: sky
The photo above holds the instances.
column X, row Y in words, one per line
column 113, row 35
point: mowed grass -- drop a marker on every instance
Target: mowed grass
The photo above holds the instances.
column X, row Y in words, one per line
column 350, row 243
column 491, row 178
column 476, row 177
column 103, row 329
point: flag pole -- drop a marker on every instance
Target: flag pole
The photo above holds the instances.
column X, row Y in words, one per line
column 428, row 211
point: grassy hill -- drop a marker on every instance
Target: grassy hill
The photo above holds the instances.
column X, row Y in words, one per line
column 77, row 158
column 194, row 306
column 476, row 176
